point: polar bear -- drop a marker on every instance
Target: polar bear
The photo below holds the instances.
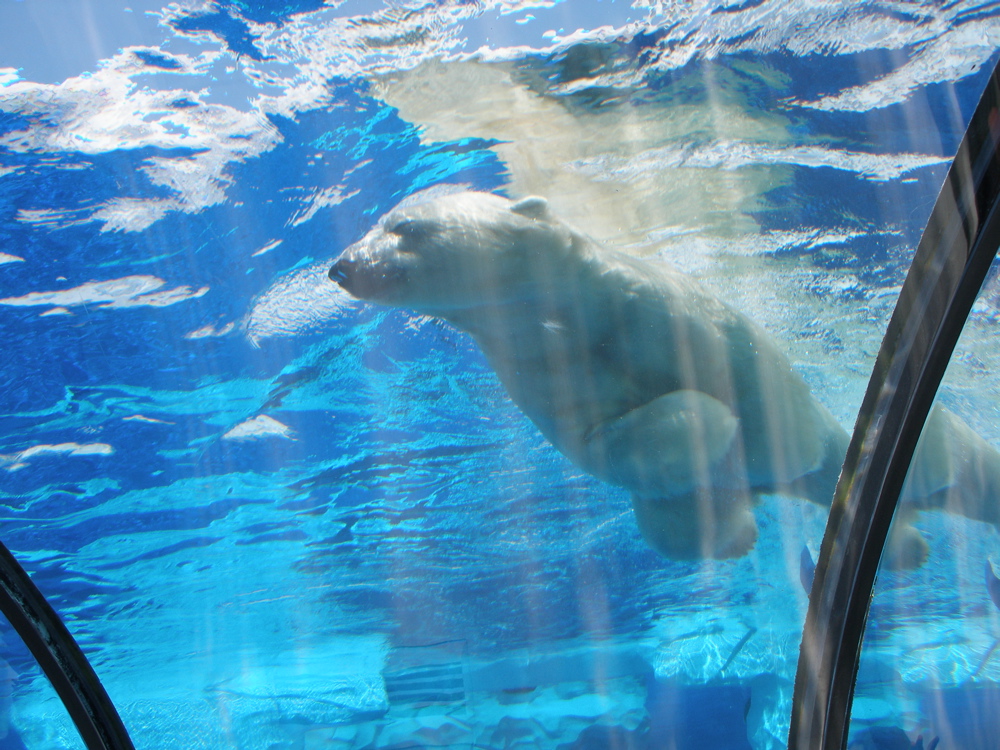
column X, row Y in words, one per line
column 631, row 369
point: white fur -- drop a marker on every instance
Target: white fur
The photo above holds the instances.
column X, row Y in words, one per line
column 631, row 369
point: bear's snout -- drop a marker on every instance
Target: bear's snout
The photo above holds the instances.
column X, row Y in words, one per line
column 362, row 278
column 341, row 271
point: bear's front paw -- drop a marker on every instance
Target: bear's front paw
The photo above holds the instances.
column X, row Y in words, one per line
column 741, row 536
column 688, row 528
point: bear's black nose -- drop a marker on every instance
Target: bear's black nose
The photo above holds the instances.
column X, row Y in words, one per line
column 341, row 270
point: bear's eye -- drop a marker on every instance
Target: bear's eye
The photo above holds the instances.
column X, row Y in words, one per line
column 407, row 227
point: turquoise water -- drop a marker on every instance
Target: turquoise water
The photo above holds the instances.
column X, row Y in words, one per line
column 275, row 516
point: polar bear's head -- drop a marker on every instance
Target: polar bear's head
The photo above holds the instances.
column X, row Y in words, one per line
column 458, row 251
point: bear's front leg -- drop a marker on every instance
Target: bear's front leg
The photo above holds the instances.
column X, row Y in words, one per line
column 667, row 447
column 709, row 522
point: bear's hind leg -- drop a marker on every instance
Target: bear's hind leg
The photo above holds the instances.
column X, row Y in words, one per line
column 820, row 484
column 906, row 548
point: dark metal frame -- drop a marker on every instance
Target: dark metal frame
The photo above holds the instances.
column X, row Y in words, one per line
column 948, row 270
column 60, row 658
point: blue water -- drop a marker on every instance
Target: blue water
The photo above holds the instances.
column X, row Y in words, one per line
column 264, row 508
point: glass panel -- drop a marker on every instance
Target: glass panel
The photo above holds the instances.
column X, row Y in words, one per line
column 32, row 717
column 523, row 488
column 928, row 662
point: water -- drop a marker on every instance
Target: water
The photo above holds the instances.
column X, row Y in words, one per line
column 275, row 516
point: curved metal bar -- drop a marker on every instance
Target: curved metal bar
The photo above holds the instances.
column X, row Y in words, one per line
column 948, row 270
column 60, row 658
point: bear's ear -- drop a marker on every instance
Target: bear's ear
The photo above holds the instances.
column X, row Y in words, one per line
column 533, row 207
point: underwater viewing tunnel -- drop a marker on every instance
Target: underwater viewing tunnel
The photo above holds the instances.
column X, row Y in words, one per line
column 561, row 374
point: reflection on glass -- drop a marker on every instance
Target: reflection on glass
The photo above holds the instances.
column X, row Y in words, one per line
column 279, row 516
column 32, row 716
column 929, row 669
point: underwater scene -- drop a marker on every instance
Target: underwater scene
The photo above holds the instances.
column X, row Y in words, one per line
column 477, row 374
